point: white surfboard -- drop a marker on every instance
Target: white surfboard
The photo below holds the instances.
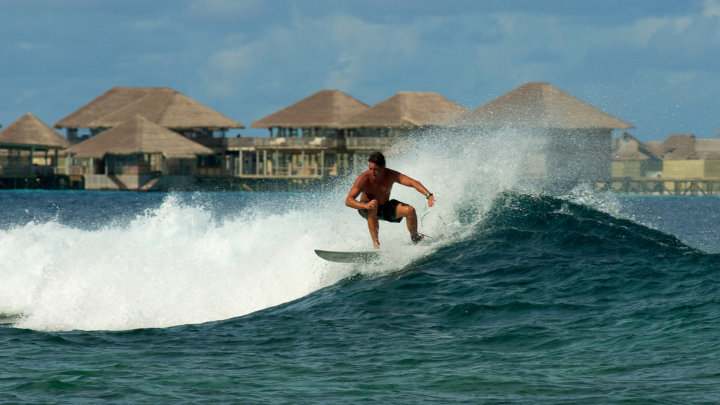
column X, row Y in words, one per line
column 348, row 257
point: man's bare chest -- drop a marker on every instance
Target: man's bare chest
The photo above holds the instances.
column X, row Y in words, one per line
column 379, row 189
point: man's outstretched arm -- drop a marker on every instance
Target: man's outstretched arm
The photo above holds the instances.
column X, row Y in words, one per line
column 407, row 181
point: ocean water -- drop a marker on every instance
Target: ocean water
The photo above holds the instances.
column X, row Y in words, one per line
column 519, row 298
column 217, row 297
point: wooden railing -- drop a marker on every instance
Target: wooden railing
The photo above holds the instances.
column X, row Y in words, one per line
column 358, row 143
column 368, row 143
column 27, row 170
column 283, row 143
column 239, row 142
column 663, row 186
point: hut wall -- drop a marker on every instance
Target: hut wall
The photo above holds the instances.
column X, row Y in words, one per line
column 15, row 162
column 712, row 168
column 691, row 168
column 561, row 159
column 284, row 163
column 82, row 166
column 578, row 156
column 127, row 164
column 631, row 168
column 181, row 167
column 684, row 169
column 637, row 168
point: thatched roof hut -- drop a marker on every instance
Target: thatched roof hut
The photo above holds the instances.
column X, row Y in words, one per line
column 407, row 109
column 628, row 148
column 707, row 148
column 675, row 147
column 541, row 105
column 686, row 146
column 138, row 136
column 28, row 130
column 161, row 105
column 324, row 109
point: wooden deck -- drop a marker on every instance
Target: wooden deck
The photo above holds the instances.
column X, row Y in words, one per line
column 663, row 186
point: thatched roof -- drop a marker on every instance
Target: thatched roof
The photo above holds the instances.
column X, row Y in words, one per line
column 324, row 109
column 407, row 109
column 686, row 146
column 542, row 105
column 138, row 135
column 626, row 147
column 678, row 147
column 655, row 147
column 707, row 148
column 161, row 105
column 29, row 130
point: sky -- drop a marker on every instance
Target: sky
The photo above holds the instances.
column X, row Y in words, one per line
column 653, row 63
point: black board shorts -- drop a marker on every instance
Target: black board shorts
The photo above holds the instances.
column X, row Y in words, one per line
column 386, row 212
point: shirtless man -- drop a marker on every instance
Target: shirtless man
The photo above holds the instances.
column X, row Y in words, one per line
column 375, row 203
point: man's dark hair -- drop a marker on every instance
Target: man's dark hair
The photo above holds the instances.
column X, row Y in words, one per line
column 378, row 158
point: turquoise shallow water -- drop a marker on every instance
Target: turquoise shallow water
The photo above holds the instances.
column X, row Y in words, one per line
column 541, row 300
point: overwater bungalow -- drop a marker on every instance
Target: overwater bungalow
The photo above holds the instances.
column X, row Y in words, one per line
column 306, row 139
column 29, row 154
column 405, row 112
column 633, row 159
column 574, row 137
column 161, row 105
column 689, row 166
column 327, row 133
column 321, row 114
column 686, row 157
column 137, row 154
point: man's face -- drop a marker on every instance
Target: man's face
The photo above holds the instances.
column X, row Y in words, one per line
column 376, row 171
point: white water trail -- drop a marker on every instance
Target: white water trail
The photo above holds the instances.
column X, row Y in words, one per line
column 176, row 265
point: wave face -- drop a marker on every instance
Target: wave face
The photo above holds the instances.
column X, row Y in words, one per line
column 545, row 301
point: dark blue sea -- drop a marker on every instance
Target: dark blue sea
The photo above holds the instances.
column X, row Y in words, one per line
column 519, row 298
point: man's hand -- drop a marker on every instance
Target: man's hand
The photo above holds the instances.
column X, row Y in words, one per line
column 431, row 201
column 372, row 205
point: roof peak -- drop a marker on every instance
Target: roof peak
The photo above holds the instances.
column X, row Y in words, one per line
column 407, row 109
column 163, row 105
column 540, row 104
column 30, row 130
column 322, row 109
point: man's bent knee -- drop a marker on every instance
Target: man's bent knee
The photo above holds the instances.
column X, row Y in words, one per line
column 406, row 210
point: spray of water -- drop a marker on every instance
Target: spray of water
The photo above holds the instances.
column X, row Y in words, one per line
column 177, row 265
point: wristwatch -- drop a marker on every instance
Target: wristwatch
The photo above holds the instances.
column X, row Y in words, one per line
column 428, row 195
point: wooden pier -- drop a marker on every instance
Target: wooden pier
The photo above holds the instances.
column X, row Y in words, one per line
column 663, row 186
column 49, row 182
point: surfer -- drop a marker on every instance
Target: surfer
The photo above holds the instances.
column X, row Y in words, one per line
column 373, row 187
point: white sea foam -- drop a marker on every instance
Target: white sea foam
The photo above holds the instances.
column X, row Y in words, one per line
column 177, row 265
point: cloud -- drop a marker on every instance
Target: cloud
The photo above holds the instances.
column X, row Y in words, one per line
column 711, row 8
column 339, row 52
